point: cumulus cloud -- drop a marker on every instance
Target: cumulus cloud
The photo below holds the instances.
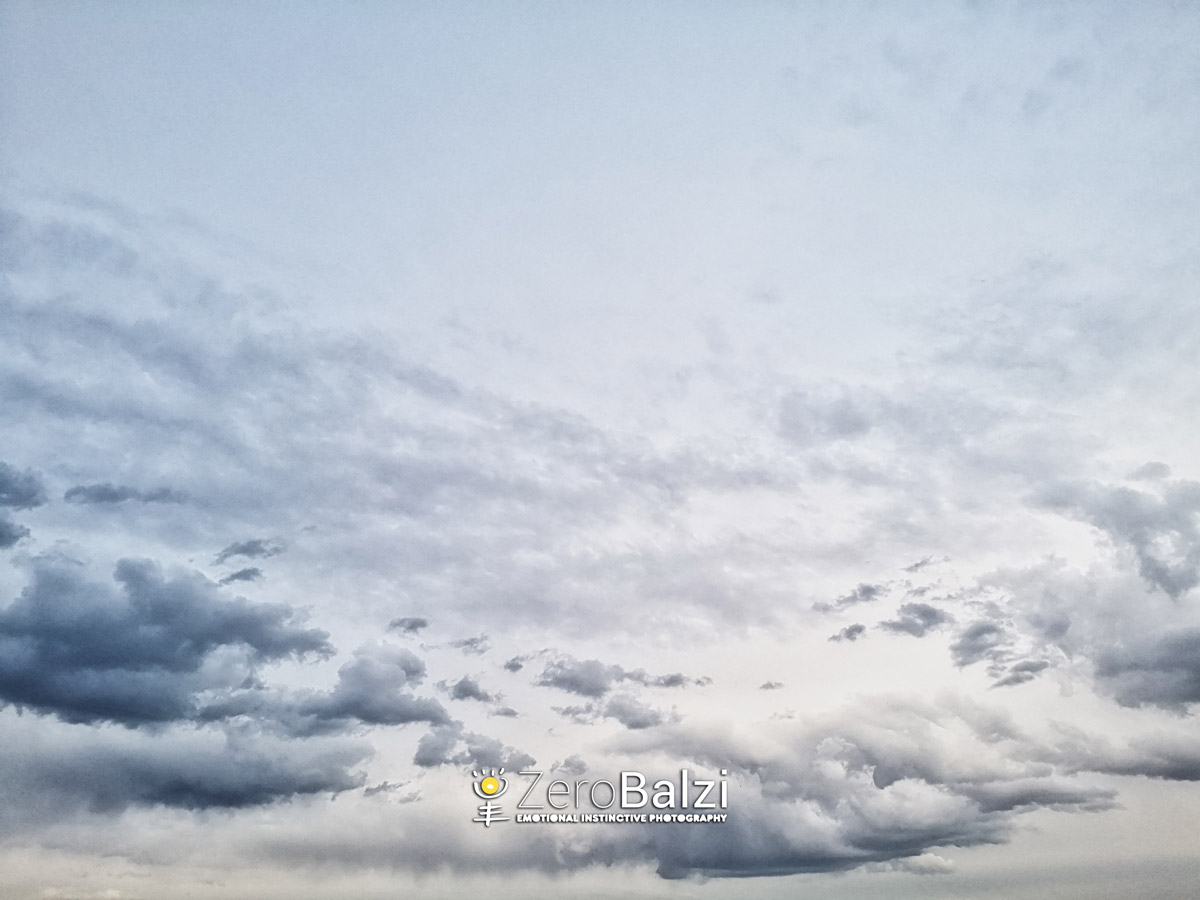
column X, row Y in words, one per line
column 372, row 689
column 140, row 652
column 891, row 782
column 467, row 688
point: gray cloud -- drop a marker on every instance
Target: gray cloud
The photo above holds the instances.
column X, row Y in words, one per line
column 437, row 748
column 467, row 688
column 850, row 633
column 257, row 548
column 372, row 689
column 107, row 493
column 592, row 678
column 844, row 771
column 87, row 652
column 251, row 573
column 916, row 619
column 1164, row 671
column 473, row 646
column 1162, row 529
column 20, row 490
column 1021, row 672
column 587, row 677
column 864, row 593
column 623, row 708
column 11, row 532
column 632, row 713
column 770, row 686
column 1151, row 471
column 978, row 641
column 408, row 624
column 516, row 663
column 106, row 772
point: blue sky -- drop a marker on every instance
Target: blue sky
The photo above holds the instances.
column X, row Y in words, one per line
column 397, row 389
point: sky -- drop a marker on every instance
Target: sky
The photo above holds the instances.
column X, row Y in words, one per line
column 796, row 394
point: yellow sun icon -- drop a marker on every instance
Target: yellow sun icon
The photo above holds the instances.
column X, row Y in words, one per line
column 492, row 783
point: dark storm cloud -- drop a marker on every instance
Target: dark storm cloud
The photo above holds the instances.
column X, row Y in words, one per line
column 105, row 772
column 916, row 619
column 107, row 493
column 850, row 633
column 467, row 688
column 11, row 532
column 1164, row 671
column 252, row 573
column 20, row 490
column 408, row 624
column 371, row 690
column 978, row 641
column 1162, row 529
column 87, row 652
column 253, row 549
